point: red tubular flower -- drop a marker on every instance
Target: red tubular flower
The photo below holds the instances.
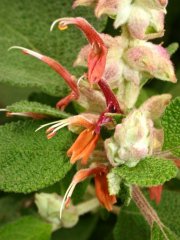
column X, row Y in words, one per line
column 102, row 192
column 70, row 80
column 155, row 193
column 85, row 142
column 97, row 55
column 101, row 185
column 83, row 146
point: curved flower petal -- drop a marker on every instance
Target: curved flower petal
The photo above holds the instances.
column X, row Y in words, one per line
column 70, row 80
column 97, row 55
column 102, row 192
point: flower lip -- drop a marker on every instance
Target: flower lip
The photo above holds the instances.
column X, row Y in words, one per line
column 83, row 146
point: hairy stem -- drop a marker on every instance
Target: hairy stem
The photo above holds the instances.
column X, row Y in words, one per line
column 147, row 211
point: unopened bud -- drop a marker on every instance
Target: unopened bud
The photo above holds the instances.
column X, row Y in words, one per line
column 48, row 205
column 152, row 59
column 131, row 141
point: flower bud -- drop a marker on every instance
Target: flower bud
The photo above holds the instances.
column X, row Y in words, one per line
column 152, row 59
column 131, row 141
column 145, row 25
column 129, row 64
column 48, row 205
column 144, row 19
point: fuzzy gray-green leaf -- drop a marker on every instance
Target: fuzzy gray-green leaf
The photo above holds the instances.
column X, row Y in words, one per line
column 171, row 125
column 148, row 172
column 28, row 161
column 169, row 210
column 131, row 225
column 162, row 233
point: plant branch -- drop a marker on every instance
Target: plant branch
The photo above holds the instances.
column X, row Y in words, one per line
column 147, row 211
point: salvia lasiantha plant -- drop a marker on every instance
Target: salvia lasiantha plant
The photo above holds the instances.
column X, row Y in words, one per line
column 108, row 147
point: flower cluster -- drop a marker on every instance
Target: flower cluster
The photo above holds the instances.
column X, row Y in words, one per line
column 117, row 69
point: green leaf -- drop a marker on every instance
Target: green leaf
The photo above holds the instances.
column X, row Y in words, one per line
column 35, row 107
column 26, row 23
column 26, row 228
column 178, row 175
column 148, row 172
column 171, row 126
column 9, row 208
column 131, row 225
column 28, row 161
column 119, row 188
column 168, row 210
column 162, row 233
column 172, row 48
column 125, row 194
